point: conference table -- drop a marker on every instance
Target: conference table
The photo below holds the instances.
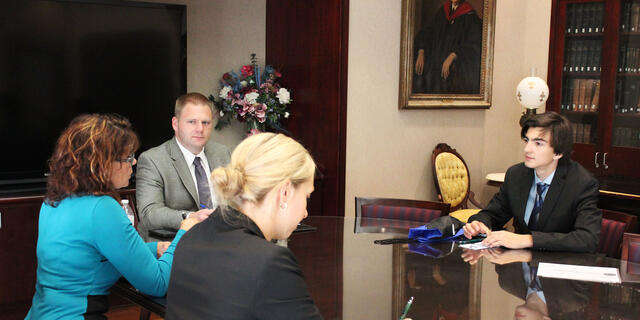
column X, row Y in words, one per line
column 351, row 274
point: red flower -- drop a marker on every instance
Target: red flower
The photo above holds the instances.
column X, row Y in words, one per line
column 246, row 71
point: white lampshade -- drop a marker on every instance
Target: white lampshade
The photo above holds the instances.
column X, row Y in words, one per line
column 532, row 92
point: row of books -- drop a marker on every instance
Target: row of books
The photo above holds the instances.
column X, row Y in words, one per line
column 583, row 56
column 582, row 95
column 627, row 97
column 630, row 18
column 581, row 132
column 585, row 17
column 626, row 137
column 628, row 59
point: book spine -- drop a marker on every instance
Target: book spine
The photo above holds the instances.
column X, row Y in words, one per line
column 586, row 135
column 595, row 102
column 570, row 18
column 581, row 94
column 576, row 94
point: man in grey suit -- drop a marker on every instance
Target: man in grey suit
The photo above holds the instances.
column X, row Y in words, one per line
column 172, row 179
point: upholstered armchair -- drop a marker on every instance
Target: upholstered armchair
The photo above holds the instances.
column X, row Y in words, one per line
column 375, row 214
column 451, row 176
column 614, row 225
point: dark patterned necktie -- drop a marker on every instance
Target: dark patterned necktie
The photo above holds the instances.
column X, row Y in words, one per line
column 537, row 206
column 533, row 275
column 202, row 181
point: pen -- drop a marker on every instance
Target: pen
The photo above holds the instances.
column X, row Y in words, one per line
column 202, row 206
column 470, row 241
column 406, row 309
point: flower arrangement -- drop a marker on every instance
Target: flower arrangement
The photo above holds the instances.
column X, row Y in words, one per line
column 253, row 97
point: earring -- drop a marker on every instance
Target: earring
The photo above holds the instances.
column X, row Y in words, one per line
column 283, row 206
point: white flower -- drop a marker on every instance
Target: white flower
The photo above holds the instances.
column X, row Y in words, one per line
column 283, row 96
column 251, row 97
column 286, row 115
column 243, row 83
column 221, row 113
column 224, row 92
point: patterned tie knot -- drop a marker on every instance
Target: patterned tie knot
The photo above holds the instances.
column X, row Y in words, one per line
column 202, row 183
column 541, row 187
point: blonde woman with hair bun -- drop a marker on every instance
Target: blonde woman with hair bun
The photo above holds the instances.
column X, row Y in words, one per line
column 226, row 267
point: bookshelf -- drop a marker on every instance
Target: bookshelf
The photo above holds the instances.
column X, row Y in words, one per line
column 594, row 80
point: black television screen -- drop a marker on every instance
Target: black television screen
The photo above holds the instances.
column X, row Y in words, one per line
column 59, row 59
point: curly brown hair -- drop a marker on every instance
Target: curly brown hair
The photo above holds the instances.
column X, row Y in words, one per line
column 83, row 156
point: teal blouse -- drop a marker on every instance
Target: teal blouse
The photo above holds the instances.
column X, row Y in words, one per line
column 84, row 245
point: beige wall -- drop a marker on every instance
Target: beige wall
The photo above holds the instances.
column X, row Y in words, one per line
column 221, row 35
column 389, row 150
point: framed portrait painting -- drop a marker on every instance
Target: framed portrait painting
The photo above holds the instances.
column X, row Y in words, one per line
column 446, row 53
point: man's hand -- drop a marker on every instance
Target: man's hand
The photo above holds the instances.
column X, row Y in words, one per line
column 162, row 247
column 496, row 255
column 446, row 65
column 508, row 240
column 475, row 228
column 201, row 214
column 420, row 62
column 501, row 256
column 471, row 256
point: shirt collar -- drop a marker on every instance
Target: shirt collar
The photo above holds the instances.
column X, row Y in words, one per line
column 547, row 180
column 188, row 156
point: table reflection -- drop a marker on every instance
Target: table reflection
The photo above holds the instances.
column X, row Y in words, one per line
column 351, row 277
column 373, row 281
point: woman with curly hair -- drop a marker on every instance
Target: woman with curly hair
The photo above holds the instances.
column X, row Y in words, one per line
column 85, row 240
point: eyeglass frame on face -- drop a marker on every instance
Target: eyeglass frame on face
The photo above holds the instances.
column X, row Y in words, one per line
column 130, row 159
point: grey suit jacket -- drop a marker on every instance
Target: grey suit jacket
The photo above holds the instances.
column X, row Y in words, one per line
column 165, row 188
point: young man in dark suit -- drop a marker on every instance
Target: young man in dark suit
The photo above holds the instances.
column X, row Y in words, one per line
column 552, row 200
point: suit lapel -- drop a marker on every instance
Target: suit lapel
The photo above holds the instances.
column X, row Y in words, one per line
column 555, row 189
column 183, row 171
column 212, row 157
column 525, row 180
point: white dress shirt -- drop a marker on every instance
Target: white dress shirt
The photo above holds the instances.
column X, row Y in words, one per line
column 189, row 157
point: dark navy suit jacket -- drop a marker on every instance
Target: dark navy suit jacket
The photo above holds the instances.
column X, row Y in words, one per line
column 570, row 219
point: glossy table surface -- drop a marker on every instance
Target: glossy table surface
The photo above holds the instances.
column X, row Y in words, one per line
column 351, row 277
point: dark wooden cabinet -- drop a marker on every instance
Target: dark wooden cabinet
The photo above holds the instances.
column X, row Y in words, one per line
column 18, row 236
column 594, row 80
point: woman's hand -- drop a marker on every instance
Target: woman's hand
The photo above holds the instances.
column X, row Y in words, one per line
column 162, row 247
column 188, row 223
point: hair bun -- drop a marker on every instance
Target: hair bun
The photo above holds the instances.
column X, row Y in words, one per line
column 227, row 183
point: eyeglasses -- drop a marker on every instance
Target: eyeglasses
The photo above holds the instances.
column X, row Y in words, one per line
column 131, row 158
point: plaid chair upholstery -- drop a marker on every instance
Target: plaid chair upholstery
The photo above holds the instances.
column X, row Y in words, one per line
column 377, row 213
column 611, row 237
column 614, row 225
column 631, row 247
column 400, row 213
column 634, row 252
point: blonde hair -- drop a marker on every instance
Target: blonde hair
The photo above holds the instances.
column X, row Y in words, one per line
column 259, row 164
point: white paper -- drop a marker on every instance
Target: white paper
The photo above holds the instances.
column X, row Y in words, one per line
column 574, row 272
column 474, row 246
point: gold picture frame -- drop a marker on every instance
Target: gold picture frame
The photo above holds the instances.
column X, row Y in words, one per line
column 463, row 80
